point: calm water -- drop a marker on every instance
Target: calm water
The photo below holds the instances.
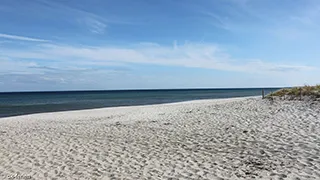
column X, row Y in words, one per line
column 12, row 104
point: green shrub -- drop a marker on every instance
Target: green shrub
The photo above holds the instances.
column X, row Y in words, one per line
column 297, row 91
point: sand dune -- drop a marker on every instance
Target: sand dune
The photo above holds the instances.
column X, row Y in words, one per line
column 243, row 138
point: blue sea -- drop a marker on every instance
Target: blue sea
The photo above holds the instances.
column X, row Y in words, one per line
column 20, row 103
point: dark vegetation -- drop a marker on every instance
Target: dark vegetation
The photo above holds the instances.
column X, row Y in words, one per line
column 297, row 93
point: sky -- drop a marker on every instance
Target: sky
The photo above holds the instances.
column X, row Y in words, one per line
column 49, row 45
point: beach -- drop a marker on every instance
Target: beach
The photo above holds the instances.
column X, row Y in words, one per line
column 237, row 138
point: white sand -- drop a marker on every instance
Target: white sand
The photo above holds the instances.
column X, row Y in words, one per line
column 244, row 138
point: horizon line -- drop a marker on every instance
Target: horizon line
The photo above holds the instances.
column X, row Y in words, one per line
column 142, row 89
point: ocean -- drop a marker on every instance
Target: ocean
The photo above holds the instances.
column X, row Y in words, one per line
column 21, row 103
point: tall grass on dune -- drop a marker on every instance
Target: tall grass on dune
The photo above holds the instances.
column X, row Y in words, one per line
column 312, row 92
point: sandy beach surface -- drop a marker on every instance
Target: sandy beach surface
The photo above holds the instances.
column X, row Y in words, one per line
column 241, row 138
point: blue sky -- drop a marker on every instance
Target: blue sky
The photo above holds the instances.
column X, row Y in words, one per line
column 125, row 44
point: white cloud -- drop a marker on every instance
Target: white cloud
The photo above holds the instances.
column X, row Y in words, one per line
column 8, row 66
column 199, row 55
column 73, row 67
column 21, row 38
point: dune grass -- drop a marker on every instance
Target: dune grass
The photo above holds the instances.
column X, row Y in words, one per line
column 296, row 92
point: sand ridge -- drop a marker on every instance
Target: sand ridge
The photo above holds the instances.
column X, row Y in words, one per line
column 242, row 138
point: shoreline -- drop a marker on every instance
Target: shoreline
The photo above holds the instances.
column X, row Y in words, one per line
column 128, row 106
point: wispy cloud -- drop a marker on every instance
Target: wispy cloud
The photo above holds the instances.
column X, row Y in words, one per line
column 21, row 38
column 94, row 25
column 229, row 15
column 194, row 55
column 309, row 17
column 24, row 75
column 217, row 20
column 92, row 21
column 262, row 17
